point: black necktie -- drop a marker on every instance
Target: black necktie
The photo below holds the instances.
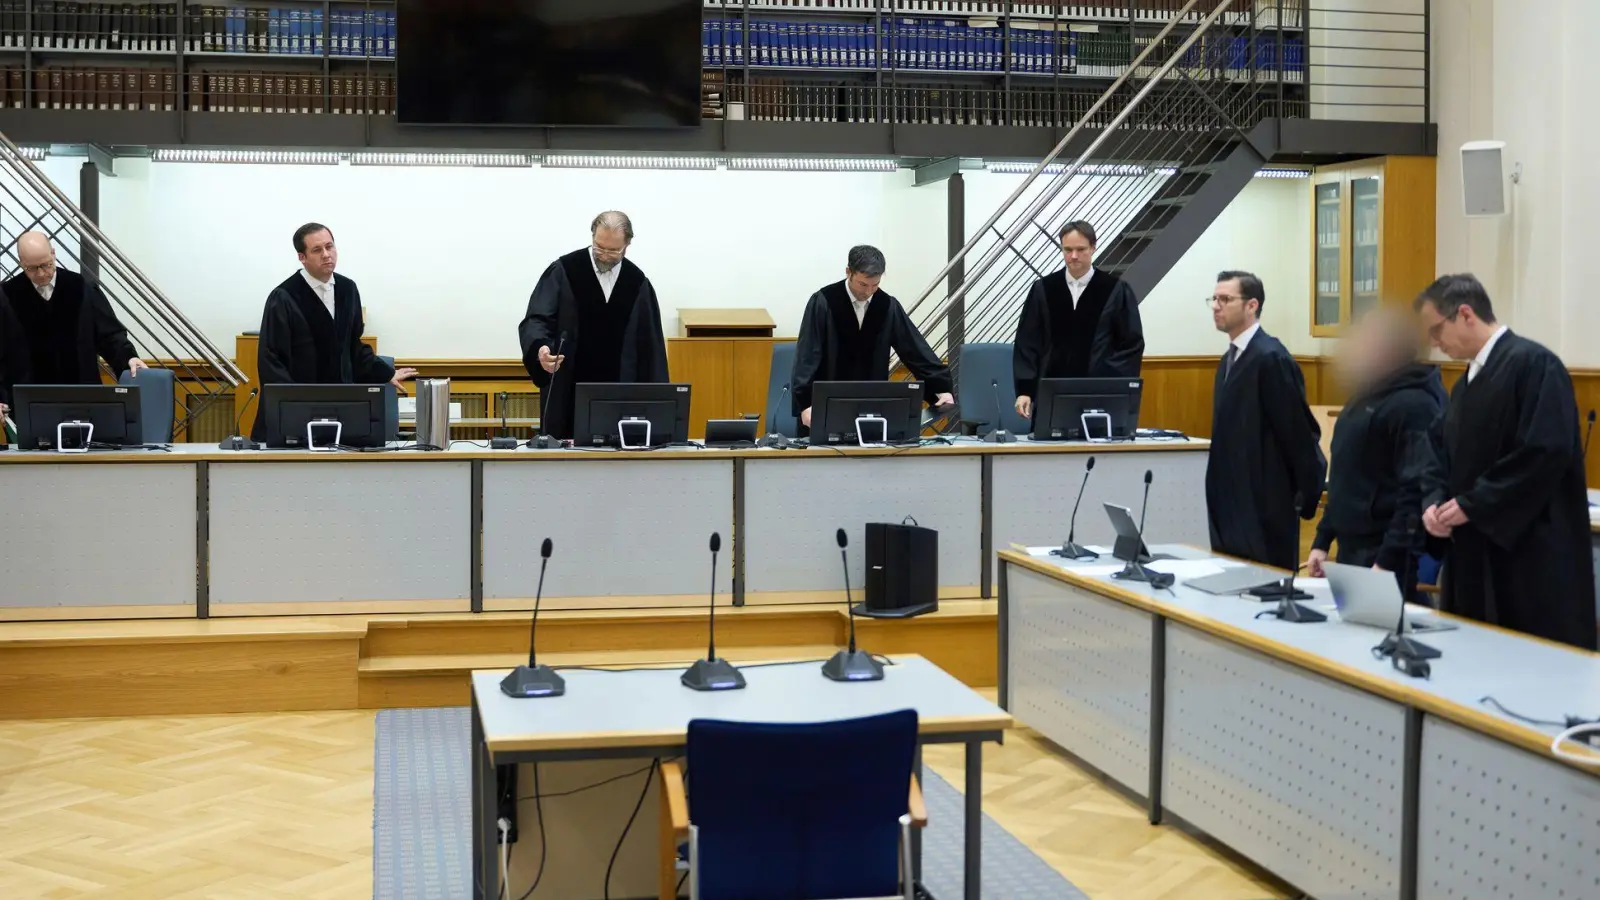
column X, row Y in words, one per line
column 1227, row 361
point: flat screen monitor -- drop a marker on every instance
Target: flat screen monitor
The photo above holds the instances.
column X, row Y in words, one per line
column 618, row 63
column 39, row 410
column 1107, row 407
column 630, row 416
column 322, row 416
column 839, row 407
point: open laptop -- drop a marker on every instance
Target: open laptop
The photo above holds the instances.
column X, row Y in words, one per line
column 1129, row 544
column 1367, row 596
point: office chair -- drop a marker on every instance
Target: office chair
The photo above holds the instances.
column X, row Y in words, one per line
column 798, row 812
column 981, row 366
column 156, row 403
column 785, row 422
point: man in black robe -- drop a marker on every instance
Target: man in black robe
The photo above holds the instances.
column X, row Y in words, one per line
column 1081, row 322
column 848, row 330
column 1504, row 496
column 1266, row 467
column 312, row 324
column 597, row 306
column 55, row 325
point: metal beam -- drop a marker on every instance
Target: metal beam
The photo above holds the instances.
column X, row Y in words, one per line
column 101, row 158
column 937, row 171
column 89, row 203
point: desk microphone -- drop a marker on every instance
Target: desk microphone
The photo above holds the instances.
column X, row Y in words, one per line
column 1409, row 655
column 999, row 434
column 712, row 674
column 240, row 442
column 544, row 441
column 773, row 439
column 534, row 680
column 851, row 664
column 504, row 441
column 1071, row 549
column 1586, row 432
column 1135, row 570
column 1286, row 594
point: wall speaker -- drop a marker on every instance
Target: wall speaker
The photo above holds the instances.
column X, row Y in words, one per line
column 1483, row 179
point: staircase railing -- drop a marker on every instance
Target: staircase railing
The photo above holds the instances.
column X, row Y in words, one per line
column 161, row 334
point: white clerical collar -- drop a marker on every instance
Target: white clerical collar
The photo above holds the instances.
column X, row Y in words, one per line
column 41, row 291
column 1243, row 340
column 315, row 284
column 1081, row 282
column 1482, row 359
column 852, row 295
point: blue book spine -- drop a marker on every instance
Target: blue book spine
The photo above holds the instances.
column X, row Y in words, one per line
column 316, row 32
column 813, row 44
column 275, row 29
column 347, row 38
column 335, row 33
column 236, row 30
column 733, row 46
column 834, row 38
column 388, row 34
column 764, row 44
column 946, row 32
column 294, row 32
column 302, row 32
column 705, row 43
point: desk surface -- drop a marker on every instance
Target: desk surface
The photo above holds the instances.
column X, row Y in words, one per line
column 468, row 450
column 1536, row 678
column 650, row 708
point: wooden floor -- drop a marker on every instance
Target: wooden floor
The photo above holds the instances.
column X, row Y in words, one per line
column 280, row 806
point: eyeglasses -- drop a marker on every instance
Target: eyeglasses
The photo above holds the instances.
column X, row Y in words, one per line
column 1220, row 301
column 41, row 268
column 603, row 251
column 1437, row 328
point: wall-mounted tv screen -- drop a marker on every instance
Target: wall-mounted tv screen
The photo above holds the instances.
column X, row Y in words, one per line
column 622, row 63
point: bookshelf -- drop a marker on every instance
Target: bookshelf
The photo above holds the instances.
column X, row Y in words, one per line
column 1372, row 237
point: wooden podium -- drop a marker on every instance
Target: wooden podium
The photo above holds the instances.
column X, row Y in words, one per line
column 725, row 355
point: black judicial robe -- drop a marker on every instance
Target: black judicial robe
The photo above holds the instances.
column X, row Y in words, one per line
column 1101, row 338
column 617, row 341
column 1266, row 468
column 1509, row 450
column 58, row 341
column 301, row 344
column 832, row 346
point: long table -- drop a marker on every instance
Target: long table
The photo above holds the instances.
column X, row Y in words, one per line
column 202, row 532
column 1296, row 747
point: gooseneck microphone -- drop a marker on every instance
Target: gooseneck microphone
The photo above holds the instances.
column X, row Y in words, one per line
column 504, row 441
column 773, row 439
column 1406, row 653
column 1071, row 549
column 534, row 680
column 850, row 664
column 1589, row 430
column 1135, row 569
column 240, row 442
column 999, row 434
column 711, row 673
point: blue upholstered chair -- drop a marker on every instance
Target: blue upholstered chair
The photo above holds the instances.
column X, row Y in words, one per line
column 982, row 365
column 157, row 401
column 784, row 422
column 798, row 811
column 391, row 407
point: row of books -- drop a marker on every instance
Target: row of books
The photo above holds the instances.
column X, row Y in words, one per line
column 1092, row 10
column 154, row 28
column 153, row 90
column 156, row 89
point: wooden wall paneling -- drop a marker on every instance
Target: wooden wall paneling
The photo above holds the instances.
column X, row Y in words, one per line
column 752, row 366
column 707, row 365
column 1177, row 393
column 1406, row 253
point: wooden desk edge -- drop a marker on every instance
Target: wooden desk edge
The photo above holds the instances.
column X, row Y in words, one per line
column 611, row 740
column 1474, row 719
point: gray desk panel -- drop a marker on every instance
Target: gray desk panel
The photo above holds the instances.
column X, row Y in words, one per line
column 793, row 506
column 1297, row 772
column 1496, row 821
column 634, row 528
column 97, row 534
column 1078, row 670
column 314, row 532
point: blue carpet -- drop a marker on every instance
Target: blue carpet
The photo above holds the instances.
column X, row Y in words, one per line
column 422, row 810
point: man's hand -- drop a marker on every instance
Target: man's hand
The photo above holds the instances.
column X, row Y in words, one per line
column 945, row 399
column 4, row 410
column 1378, row 568
column 1025, row 407
column 805, row 417
column 136, row 365
column 1452, row 515
column 401, row 375
column 550, row 363
column 1314, row 563
column 1432, row 522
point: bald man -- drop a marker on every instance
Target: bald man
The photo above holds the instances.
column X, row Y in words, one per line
column 53, row 325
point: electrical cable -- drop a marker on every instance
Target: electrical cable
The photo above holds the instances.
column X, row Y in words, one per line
column 538, row 812
column 588, row 787
column 615, row 851
column 1571, row 734
column 1522, row 718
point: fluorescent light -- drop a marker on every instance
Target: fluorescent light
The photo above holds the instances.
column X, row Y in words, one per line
column 1283, row 173
column 810, row 164
column 602, row 161
column 490, row 160
column 34, row 153
column 272, row 157
column 1117, row 170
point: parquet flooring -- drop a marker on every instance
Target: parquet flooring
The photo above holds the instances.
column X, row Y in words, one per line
column 280, row 806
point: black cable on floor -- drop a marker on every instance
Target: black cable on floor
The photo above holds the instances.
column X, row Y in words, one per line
column 538, row 812
column 615, row 851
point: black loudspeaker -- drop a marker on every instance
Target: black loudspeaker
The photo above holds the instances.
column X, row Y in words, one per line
column 902, row 571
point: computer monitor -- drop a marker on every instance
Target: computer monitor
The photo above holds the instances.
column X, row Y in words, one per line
column 40, row 411
column 865, row 412
column 323, row 416
column 1108, row 407
column 630, row 416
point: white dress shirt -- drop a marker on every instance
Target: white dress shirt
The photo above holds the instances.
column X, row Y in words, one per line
column 47, row 289
column 323, row 290
column 1243, row 340
column 1076, row 287
column 859, row 305
column 1478, row 361
column 608, row 278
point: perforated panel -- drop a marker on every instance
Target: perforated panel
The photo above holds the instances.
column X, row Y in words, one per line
column 1496, row 821
column 635, row 528
column 86, row 534
column 793, row 506
column 1078, row 670
column 312, row 532
column 1296, row 772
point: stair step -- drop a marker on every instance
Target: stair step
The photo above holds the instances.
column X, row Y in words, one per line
column 1207, row 168
column 1173, row 201
column 448, row 664
column 1142, row 234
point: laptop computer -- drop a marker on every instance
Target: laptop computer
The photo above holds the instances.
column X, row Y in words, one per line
column 1235, row 580
column 1367, row 596
column 1129, row 544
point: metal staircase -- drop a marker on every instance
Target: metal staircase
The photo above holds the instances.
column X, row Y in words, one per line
column 1150, row 164
column 162, row 336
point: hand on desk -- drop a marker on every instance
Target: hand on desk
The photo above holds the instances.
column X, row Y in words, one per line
column 550, row 363
column 1314, row 563
column 805, row 417
column 1433, row 523
column 1025, row 407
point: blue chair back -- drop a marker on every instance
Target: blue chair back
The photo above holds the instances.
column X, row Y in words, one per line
column 799, row 812
column 980, row 366
column 391, row 407
column 157, row 400
column 784, row 422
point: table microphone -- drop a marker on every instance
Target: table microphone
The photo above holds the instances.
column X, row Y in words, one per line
column 1071, row 549
column 1135, row 570
column 504, row 441
column 1286, row 594
column 534, row 680
column 773, row 439
column 712, row 674
column 240, row 442
column 1586, row 432
column 999, row 434
column 1409, row 655
column 851, row 664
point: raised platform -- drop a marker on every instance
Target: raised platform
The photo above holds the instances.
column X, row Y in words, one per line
column 52, row 670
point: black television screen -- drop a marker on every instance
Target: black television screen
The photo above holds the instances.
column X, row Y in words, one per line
column 625, row 63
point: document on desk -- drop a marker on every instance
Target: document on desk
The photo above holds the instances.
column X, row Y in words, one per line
column 1186, row 569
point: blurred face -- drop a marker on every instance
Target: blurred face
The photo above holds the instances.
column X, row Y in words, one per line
column 1230, row 312
column 862, row 287
column 1361, row 357
column 320, row 258
column 608, row 247
column 1078, row 252
column 38, row 261
column 1453, row 334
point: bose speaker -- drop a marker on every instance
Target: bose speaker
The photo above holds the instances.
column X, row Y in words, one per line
column 1483, row 180
column 902, row 571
